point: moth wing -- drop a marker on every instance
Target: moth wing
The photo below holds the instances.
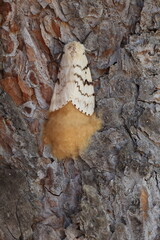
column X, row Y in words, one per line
column 63, row 89
column 83, row 97
column 74, row 81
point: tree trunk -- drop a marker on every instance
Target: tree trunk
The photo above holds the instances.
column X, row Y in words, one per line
column 112, row 191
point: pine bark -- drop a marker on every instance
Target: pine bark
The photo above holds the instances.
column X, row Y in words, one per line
column 112, row 191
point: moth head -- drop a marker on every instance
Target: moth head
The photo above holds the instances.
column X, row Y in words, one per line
column 74, row 49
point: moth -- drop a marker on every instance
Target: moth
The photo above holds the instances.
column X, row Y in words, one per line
column 71, row 120
column 74, row 81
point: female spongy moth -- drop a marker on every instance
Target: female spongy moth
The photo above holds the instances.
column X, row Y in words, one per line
column 74, row 81
column 71, row 121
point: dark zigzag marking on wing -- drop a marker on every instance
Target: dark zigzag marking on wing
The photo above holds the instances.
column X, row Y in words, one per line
column 84, row 82
column 81, row 67
column 86, row 67
column 83, row 94
column 63, row 86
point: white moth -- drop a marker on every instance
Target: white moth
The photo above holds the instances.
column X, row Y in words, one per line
column 74, row 82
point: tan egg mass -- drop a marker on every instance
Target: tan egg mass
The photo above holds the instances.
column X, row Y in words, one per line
column 68, row 131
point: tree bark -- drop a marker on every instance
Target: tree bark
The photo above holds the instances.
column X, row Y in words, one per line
column 112, row 191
